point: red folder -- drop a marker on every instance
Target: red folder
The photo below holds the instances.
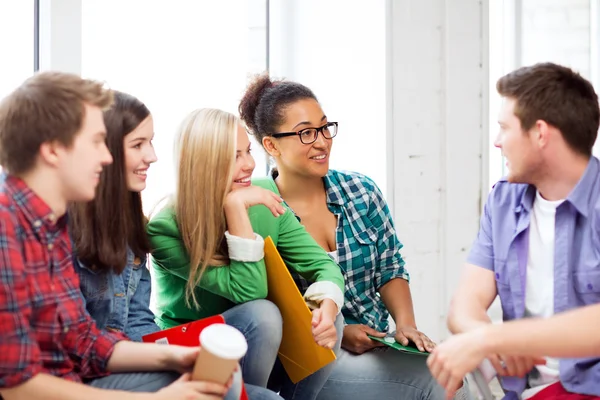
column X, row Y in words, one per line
column 183, row 335
column 187, row 335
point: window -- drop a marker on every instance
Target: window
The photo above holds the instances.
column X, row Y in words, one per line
column 16, row 23
column 524, row 32
column 17, row 43
column 175, row 57
column 340, row 53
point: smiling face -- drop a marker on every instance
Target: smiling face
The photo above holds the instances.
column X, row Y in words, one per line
column 293, row 155
column 139, row 154
column 244, row 162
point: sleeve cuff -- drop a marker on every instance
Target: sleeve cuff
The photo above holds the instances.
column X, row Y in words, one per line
column 480, row 260
column 319, row 291
column 104, row 345
column 245, row 250
column 387, row 277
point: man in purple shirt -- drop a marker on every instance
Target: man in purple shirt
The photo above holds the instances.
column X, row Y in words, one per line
column 538, row 246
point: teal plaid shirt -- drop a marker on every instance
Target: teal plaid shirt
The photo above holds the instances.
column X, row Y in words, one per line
column 367, row 245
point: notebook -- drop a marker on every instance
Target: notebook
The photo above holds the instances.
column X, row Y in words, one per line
column 390, row 341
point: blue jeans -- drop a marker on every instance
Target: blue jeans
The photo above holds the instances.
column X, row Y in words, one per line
column 154, row 381
column 136, row 381
column 260, row 322
column 383, row 373
column 309, row 387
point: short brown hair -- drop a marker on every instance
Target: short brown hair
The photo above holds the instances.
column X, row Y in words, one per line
column 47, row 107
column 560, row 97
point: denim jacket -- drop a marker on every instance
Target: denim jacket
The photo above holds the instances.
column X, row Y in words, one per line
column 119, row 302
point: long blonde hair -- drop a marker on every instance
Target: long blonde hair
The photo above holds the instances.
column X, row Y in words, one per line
column 205, row 148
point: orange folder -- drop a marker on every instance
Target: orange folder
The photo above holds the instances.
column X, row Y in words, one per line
column 300, row 355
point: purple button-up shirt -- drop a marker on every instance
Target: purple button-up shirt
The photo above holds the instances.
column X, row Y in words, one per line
column 502, row 246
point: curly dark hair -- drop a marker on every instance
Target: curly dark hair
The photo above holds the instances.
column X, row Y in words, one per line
column 263, row 105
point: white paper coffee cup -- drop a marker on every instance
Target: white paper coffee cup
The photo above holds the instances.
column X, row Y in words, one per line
column 221, row 347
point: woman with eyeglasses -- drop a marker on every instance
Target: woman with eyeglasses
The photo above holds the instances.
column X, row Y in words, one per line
column 208, row 250
column 349, row 218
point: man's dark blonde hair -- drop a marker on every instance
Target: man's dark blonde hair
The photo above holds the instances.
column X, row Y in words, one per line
column 48, row 107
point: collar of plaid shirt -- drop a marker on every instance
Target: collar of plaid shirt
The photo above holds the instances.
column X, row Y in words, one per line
column 368, row 248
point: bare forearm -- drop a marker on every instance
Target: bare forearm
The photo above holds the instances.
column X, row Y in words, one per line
column 48, row 387
column 474, row 295
column 131, row 356
column 467, row 318
column 398, row 300
column 238, row 222
column 569, row 335
column 329, row 307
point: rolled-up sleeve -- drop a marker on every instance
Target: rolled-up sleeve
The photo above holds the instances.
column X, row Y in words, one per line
column 390, row 265
column 93, row 347
column 245, row 250
column 90, row 346
column 21, row 356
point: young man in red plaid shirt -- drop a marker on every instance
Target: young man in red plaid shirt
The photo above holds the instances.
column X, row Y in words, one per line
column 52, row 149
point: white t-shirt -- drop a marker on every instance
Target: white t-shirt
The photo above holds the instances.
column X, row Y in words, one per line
column 539, row 292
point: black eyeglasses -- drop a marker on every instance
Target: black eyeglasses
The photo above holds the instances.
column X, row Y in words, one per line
column 310, row 135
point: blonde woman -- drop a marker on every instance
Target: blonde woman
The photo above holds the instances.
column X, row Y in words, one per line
column 208, row 250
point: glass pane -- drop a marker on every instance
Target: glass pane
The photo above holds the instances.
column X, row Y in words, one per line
column 175, row 57
column 339, row 52
column 16, row 43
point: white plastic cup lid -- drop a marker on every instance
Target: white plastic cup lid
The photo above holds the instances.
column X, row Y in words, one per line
column 224, row 341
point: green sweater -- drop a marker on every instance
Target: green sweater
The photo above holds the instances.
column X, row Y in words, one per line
column 223, row 287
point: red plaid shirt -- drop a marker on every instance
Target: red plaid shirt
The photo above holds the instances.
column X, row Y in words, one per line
column 44, row 327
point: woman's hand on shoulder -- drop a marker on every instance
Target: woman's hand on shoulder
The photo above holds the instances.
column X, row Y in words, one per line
column 255, row 195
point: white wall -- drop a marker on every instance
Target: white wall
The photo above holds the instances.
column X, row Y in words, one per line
column 439, row 68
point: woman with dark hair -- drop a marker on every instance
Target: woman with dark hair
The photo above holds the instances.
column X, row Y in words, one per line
column 347, row 215
column 109, row 233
